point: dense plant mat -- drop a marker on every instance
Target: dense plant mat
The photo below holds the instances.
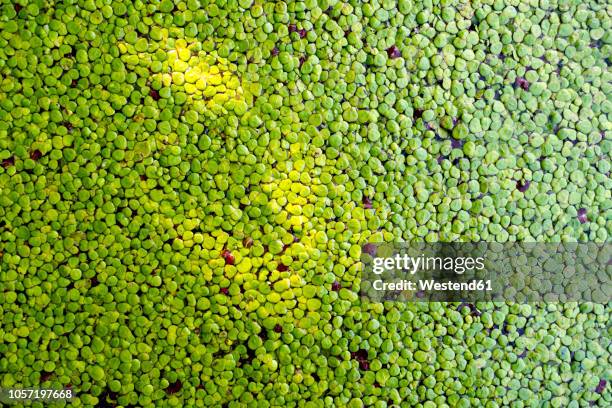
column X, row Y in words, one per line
column 185, row 188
